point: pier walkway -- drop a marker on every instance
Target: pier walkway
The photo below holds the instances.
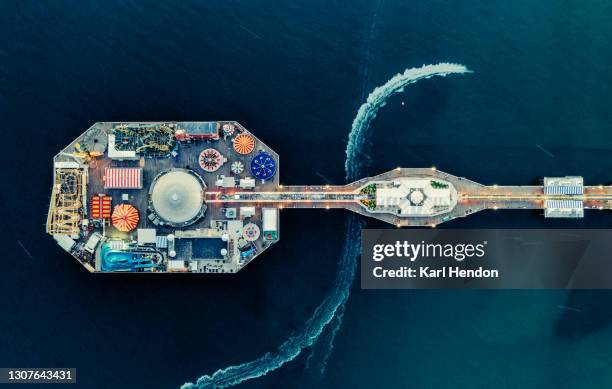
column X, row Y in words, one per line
column 471, row 197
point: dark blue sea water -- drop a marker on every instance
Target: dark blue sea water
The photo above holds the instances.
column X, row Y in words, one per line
column 295, row 74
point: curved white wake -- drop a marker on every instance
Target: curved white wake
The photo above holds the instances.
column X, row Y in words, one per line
column 347, row 265
column 367, row 112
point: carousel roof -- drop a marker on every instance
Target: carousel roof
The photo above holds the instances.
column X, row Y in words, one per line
column 263, row 166
column 210, row 160
column 125, row 217
column 237, row 167
column 244, row 144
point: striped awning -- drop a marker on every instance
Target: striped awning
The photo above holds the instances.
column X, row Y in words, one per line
column 563, row 190
column 100, row 207
column 564, row 204
column 123, row 178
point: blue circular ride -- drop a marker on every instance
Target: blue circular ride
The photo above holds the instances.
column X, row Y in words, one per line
column 263, row 166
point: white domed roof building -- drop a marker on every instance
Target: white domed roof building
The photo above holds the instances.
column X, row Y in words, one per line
column 177, row 197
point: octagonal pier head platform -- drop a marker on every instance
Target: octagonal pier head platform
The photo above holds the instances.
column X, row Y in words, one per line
column 204, row 197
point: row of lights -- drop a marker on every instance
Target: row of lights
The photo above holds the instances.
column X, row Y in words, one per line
column 433, row 168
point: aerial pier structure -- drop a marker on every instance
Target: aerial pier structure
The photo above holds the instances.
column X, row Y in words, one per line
column 205, row 197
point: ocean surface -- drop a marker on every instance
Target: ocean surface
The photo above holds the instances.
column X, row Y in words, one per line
column 295, row 73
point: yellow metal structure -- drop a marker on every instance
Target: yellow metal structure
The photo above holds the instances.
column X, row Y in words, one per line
column 64, row 216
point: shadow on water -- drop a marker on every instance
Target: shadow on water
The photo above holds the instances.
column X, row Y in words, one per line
column 584, row 313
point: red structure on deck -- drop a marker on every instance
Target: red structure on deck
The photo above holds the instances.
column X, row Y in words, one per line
column 197, row 131
column 101, row 207
column 123, row 178
column 244, row 144
column 125, row 217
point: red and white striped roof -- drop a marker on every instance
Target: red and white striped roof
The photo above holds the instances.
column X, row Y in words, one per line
column 123, row 178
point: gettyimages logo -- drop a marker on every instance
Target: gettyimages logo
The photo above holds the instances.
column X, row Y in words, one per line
column 413, row 252
column 486, row 259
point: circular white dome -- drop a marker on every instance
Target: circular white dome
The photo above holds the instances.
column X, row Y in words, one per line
column 177, row 196
column 416, row 197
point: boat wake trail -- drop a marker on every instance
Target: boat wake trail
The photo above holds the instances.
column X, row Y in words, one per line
column 354, row 171
column 335, row 301
column 377, row 99
column 321, row 351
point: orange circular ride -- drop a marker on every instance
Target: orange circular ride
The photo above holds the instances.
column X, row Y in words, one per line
column 125, row 217
column 244, row 144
